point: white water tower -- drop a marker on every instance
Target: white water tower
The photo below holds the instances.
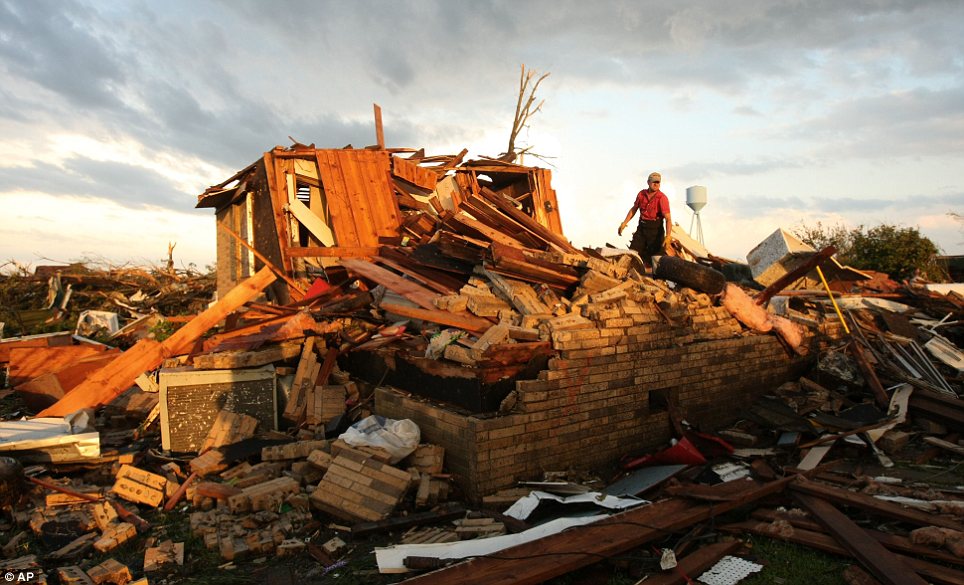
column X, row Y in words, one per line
column 696, row 200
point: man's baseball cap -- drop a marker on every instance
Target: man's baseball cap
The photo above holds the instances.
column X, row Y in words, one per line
column 654, row 177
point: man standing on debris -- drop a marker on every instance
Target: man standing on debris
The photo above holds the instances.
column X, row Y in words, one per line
column 651, row 237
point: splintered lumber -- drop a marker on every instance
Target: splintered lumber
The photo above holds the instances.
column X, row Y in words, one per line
column 880, row 395
column 231, row 360
column 413, row 173
column 513, row 262
column 307, row 371
column 534, row 227
column 557, row 554
column 463, row 321
column 871, row 504
column 109, row 382
column 357, row 487
column 412, row 291
column 274, row 328
column 871, row 554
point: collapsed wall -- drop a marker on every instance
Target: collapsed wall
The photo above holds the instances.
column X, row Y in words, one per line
column 607, row 392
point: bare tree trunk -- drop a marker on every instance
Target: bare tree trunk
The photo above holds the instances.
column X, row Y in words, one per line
column 523, row 111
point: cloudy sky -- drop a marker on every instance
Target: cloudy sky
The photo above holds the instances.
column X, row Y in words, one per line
column 114, row 115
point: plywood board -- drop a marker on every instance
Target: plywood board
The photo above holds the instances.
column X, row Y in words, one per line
column 28, row 363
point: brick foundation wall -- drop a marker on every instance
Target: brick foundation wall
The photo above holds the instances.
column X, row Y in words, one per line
column 603, row 396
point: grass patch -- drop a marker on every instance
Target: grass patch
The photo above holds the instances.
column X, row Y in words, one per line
column 791, row 564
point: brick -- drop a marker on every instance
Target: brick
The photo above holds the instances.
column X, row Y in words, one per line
column 109, row 571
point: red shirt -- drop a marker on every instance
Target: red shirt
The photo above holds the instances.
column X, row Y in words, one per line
column 652, row 207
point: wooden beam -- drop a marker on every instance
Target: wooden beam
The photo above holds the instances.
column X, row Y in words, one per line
column 312, row 222
column 277, row 191
column 113, row 379
column 379, row 131
column 871, row 504
column 880, row 395
column 409, row 289
column 883, row 565
column 298, row 292
column 557, row 554
column 333, row 252
column 794, row 275
column 461, row 321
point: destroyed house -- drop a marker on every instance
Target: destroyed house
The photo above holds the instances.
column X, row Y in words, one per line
column 535, row 355
column 303, row 208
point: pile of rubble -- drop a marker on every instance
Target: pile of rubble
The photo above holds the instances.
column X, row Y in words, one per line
column 257, row 416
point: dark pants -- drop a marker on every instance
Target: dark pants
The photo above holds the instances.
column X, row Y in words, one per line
column 648, row 238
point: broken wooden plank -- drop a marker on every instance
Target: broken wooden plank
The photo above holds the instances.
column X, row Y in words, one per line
column 871, row 504
column 232, row 360
column 946, row 445
column 871, row 554
column 537, row 561
column 109, row 382
column 412, row 291
column 880, row 395
column 460, row 321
